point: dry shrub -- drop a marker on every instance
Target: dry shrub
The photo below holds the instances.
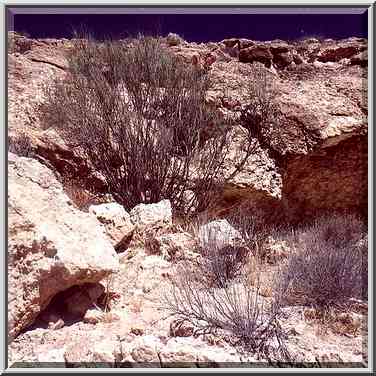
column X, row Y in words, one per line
column 235, row 308
column 260, row 113
column 214, row 292
column 257, row 227
column 109, row 297
column 222, row 264
column 346, row 324
column 326, row 268
column 335, row 321
column 140, row 117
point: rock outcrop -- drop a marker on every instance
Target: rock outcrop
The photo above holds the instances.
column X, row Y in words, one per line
column 52, row 246
column 136, row 333
column 321, row 90
column 313, row 159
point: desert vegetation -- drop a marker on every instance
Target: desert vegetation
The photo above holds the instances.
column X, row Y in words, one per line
column 224, row 290
column 139, row 117
column 327, row 266
column 21, row 145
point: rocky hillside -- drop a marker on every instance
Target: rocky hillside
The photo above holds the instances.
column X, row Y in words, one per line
column 315, row 160
column 88, row 287
column 75, row 302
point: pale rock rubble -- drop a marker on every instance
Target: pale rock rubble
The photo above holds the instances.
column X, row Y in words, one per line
column 116, row 221
column 144, row 215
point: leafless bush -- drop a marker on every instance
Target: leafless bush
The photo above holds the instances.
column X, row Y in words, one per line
column 223, row 264
column 256, row 226
column 235, row 308
column 139, row 115
column 21, row 145
column 327, row 267
column 259, row 116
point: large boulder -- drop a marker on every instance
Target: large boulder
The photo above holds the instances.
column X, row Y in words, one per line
column 283, row 59
column 258, row 53
column 360, row 59
column 116, row 221
column 321, row 141
column 52, row 246
column 30, row 70
column 174, row 39
column 149, row 350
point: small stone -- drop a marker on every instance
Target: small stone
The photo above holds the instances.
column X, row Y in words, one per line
column 116, row 221
column 218, row 234
column 92, row 316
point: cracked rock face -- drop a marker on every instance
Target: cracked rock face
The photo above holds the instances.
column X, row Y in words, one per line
column 51, row 245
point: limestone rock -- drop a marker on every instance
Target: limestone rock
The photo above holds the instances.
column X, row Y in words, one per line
column 283, row 59
column 148, row 215
column 218, row 234
column 297, row 59
column 179, row 328
column 337, row 53
column 144, row 349
column 52, row 356
column 116, row 221
column 105, row 352
column 173, row 39
column 360, row 59
column 52, row 245
column 92, row 316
